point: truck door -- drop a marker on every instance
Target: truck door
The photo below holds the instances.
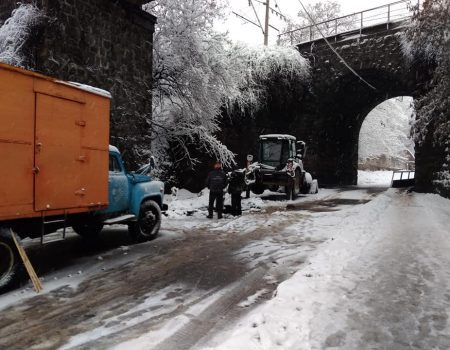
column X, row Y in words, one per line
column 57, row 146
column 118, row 192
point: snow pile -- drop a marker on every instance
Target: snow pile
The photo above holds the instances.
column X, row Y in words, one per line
column 15, row 32
column 182, row 203
column 384, row 140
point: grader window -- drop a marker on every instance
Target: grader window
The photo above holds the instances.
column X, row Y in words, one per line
column 274, row 152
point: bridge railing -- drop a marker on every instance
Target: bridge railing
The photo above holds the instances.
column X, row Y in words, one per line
column 355, row 22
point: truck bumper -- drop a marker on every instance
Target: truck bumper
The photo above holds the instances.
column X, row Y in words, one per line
column 279, row 178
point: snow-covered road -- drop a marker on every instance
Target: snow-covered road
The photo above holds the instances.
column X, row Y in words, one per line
column 350, row 268
column 383, row 282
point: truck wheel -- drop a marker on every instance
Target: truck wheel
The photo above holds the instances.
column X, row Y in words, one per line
column 10, row 265
column 149, row 221
column 306, row 185
column 257, row 189
column 88, row 229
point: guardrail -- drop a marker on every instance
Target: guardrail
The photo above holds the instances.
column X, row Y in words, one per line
column 403, row 178
column 355, row 22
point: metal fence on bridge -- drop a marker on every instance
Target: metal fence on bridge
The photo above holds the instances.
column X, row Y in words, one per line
column 355, row 22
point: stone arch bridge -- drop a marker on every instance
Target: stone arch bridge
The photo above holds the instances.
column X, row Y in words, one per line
column 339, row 100
column 330, row 112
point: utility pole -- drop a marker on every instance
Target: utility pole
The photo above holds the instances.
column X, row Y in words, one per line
column 266, row 24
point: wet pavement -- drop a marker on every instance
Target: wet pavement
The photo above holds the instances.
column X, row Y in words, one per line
column 125, row 290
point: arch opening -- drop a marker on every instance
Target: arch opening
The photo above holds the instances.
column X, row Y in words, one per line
column 385, row 143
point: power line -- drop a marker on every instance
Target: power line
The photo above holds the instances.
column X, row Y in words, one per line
column 252, row 22
column 267, row 25
column 281, row 12
column 283, row 17
column 246, row 19
column 333, row 49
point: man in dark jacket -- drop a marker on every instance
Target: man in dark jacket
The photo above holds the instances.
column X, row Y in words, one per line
column 216, row 182
column 235, row 188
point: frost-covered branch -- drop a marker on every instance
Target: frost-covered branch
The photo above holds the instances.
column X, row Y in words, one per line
column 15, row 32
column 254, row 67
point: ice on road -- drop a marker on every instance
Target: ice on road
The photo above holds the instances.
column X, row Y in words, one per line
column 381, row 282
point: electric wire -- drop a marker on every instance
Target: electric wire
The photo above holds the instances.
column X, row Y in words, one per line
column 279, row 9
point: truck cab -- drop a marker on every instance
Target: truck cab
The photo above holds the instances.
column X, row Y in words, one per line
column 135, row 199
column 276, row 150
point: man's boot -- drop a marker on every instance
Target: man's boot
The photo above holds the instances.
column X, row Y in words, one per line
column 210, row 215
column 219, row 215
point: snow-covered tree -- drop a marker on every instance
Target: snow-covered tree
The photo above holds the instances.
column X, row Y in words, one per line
column 190, row 78
column 428, row 40
column 15, row 32
column 199, row 74
column 256, row 67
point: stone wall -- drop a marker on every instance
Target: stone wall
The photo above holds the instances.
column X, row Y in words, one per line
column 107, row 44
column 6, row 7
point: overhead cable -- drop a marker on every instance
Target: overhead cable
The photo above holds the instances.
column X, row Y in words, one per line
column 333, row 49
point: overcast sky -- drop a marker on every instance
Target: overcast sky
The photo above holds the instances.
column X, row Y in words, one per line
column 242, row 30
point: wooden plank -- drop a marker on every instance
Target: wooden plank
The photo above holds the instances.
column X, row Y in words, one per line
column 33, row 276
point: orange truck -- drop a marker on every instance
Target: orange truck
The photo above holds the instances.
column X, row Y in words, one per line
column 58, row 169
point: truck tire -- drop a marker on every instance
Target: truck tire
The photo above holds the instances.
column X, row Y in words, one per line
column 149, row 221
column 10, row 263
column 257, row 189
column 306, row 185
column 88, row 228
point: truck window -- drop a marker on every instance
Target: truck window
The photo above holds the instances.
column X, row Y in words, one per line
column 270, row 152
column 285, row 153
column 114, row 165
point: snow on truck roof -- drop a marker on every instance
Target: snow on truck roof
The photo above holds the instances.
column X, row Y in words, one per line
column 113, row 149
column 86, row 88
column 278, row 136
column 78, row 86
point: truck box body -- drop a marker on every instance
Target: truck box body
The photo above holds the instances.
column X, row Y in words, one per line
column 54, row 139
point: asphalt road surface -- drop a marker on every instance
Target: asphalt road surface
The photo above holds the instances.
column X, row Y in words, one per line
column 182, row 287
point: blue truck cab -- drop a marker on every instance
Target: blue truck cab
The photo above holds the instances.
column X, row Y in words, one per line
column 135, row 199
